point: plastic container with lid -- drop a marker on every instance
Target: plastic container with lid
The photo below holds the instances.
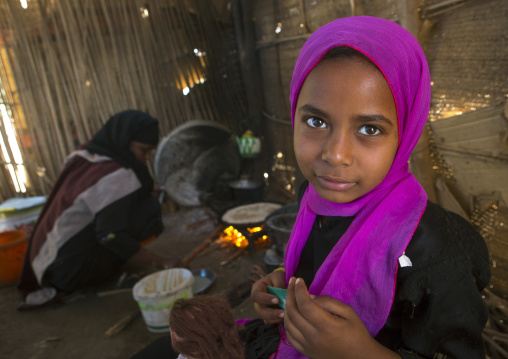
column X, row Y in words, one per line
column 20, row 213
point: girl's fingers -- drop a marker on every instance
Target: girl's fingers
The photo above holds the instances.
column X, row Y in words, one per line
column 294, row 322
column 264, row 298
column 270, row 315
column 291, row 316
column 303, row 298
column 259, row 294
column 295, row 343
column 264, row 304
column 333, row 306
column 314, row 315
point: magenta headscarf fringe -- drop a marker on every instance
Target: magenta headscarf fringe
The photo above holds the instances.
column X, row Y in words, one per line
column 361, row 269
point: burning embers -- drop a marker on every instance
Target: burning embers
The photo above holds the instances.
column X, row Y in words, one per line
column 255, row 236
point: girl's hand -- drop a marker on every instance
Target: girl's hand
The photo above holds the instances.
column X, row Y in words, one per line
column 323, row 327
column 265, row 304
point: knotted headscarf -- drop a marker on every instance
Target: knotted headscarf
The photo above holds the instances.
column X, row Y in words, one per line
column 361, row 269
column 114, row 138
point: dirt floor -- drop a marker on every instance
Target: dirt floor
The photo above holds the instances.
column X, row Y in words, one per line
column 76, row 329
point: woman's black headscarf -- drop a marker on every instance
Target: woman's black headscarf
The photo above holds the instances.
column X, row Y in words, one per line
column 114, row 137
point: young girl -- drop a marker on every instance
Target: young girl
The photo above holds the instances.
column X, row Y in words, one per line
column 372, row 269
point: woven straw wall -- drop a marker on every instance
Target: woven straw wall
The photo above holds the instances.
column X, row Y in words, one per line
column 468, row 57
column 467, row 50
column 76, row 63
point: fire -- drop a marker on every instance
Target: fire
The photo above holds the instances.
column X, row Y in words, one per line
column 232, row 235
column 260, row 240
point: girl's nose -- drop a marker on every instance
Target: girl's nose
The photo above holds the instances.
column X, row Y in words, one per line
column 337, row 150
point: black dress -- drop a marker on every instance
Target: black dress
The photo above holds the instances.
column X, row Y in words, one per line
column 437, row 310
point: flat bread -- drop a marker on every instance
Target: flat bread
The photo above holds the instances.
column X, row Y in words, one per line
column 250, row 213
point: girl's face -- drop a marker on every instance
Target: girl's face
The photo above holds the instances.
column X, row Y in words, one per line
column 346, row 133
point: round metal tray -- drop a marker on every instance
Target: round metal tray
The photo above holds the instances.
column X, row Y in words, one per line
column 203, row 279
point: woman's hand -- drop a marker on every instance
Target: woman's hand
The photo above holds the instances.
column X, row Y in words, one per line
column 323, row 327
column 265, row 304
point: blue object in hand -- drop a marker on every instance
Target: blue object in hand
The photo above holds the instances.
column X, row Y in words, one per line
column 280, row 293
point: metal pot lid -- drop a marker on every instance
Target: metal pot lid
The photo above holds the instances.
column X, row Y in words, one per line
column 246, row 184
column 193, row 157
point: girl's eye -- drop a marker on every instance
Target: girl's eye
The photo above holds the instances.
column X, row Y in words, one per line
column 370, row 130
column 315, row 122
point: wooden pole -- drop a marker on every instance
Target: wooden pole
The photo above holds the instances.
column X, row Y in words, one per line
column 242, row 18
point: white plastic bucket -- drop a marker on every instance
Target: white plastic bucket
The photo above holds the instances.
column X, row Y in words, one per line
column 157, row 292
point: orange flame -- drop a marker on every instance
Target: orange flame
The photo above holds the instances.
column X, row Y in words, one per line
column 232, row 235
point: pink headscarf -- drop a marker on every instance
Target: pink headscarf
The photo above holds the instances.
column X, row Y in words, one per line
column 361, row 269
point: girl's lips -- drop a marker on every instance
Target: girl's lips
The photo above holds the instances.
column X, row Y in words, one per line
column 335, row 183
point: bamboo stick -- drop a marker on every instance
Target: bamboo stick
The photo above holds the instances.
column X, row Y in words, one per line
column 203, row 245
column 496, row 346
column 232, row 257
column 122, row 324
column 23, row 51
column 170, row 52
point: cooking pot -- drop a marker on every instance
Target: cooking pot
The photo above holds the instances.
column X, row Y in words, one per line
column 246, row 190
